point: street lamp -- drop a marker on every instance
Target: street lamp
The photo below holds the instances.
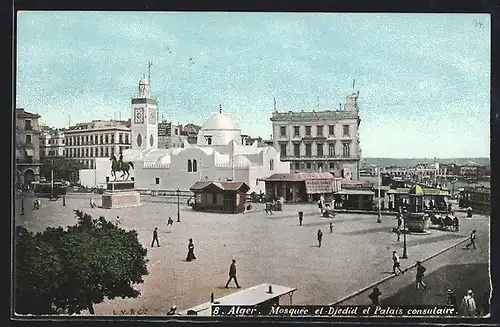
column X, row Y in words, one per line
column 379, row 220
column 405, row 254
column 178, row 206
column 22, row 200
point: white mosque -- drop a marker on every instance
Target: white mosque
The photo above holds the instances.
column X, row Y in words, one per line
column 219, row 155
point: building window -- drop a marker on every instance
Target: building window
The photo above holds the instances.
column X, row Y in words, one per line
column 195, row 165
column 296, row 150
column 346, row 150
column 126, row 139
column 27, row 125
column 346, row 130
column 106, row 139
column 282, row 130
column 308, row 165
column 190, row 166
column 308, row 130
column 28, row 139
column 112, row 150
column 209, row 141
column 283, row 149
column 106, row 152
column 86, row 152
column 308, row 150
column 120, row 138
column 102, row 151
column 271, row 164
column 176, row 131
column 91, row 152
column 331, row 149
column 296, row 130
column 101, row 139
column 297, row 165
column 320, row 166
column 319, row 149
column 332, row 165
column 319, row 130
column 157, row 180
column 87, row 139
column 113, row 138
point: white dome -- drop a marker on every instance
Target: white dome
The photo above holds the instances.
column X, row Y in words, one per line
column 241, row 161
column 165, row 160
column 220, row 122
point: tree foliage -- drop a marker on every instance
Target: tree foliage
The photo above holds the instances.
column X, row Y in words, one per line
column 75, row 268
column 64, row 168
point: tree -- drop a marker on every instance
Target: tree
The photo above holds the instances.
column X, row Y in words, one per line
column 64, row 168
column 98, row 261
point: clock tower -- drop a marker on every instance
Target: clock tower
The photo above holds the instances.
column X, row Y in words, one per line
column 144, row 122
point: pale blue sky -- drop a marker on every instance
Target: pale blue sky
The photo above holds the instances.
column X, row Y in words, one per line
column 424, row 79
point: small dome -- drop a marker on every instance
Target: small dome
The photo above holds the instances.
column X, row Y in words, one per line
column 416, row 190
column 143, row 81
column 220, row 121
column 242, row 161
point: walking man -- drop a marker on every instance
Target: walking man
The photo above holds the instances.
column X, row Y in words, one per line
column 232, row 274
column 170, row 222
column 155, row 238
column 398, row 233
column 301, row 218
column 451, row 300
column 331, row 228
column 420, row 275
column 469, row 304
column 396, row 263
column 374, row 296
column 320, row 237
column 117, row 222
column 472, row 240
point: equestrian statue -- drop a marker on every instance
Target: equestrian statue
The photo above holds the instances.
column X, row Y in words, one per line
column 119, row 165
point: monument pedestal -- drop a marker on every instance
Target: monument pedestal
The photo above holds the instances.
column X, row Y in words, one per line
column 120, row 194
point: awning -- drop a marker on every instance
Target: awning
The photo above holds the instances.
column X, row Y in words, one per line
column 30, row 152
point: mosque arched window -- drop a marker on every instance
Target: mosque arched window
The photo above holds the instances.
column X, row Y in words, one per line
column 195, row 165
column 190, row 166
column 271, row 164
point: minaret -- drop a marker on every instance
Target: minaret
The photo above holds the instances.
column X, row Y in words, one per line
column 144, row 122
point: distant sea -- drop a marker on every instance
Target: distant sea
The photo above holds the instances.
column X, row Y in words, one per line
column 387, row 162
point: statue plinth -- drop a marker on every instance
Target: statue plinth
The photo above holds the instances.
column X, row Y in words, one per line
column 418, row 222
column 120, row 194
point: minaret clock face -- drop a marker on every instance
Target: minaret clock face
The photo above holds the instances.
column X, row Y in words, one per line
column 139, row 115
column 152, row 116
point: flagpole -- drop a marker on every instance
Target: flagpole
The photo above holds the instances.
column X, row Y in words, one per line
column 232, row 159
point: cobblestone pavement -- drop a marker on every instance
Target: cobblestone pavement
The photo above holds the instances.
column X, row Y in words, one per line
column 457, row 269
column 268, row 249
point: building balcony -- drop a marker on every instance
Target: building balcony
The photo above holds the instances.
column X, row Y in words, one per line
column 313, row 138
column 28, row 162
column 316, row 157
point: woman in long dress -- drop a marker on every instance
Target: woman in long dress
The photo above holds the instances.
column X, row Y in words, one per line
column 190, row 255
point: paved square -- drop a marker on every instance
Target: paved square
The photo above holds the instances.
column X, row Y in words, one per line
column 268, row 249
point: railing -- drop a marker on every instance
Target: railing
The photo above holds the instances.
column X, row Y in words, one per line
column 27, row 162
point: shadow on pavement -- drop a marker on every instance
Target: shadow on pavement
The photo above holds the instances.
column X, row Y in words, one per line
column 444, row 237
column 459, row 278
column 369, row 231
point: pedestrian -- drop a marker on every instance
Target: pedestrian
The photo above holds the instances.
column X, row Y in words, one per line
column 331, row 228
column 267, row 208
column 472, row 240
column 271, row 206
column 449, row 207
column 320, row 237
column 170, row 222
column 117, row 222
column 420, row 275
column 451, row 300
column 232, row 274
column 301, row 217
column 398, row 233
column 190, row 256
column 400, row 221
column 155, row 238
column 396, row 264
column 469, row 304
column 172, row 310
column 456, row 223
column 320, row 206
column 92, row 204
column 374, row 296
column 469, row 212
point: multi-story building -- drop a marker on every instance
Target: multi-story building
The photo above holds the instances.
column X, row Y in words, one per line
column 173, row 136
column 27, row 148
column 320, row 140
column 52, row 142
column 97, row 139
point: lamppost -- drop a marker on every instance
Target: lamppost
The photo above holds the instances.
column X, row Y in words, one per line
column 379, row 214
column 405, row 254
column 22, row 200
column 178, row 206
